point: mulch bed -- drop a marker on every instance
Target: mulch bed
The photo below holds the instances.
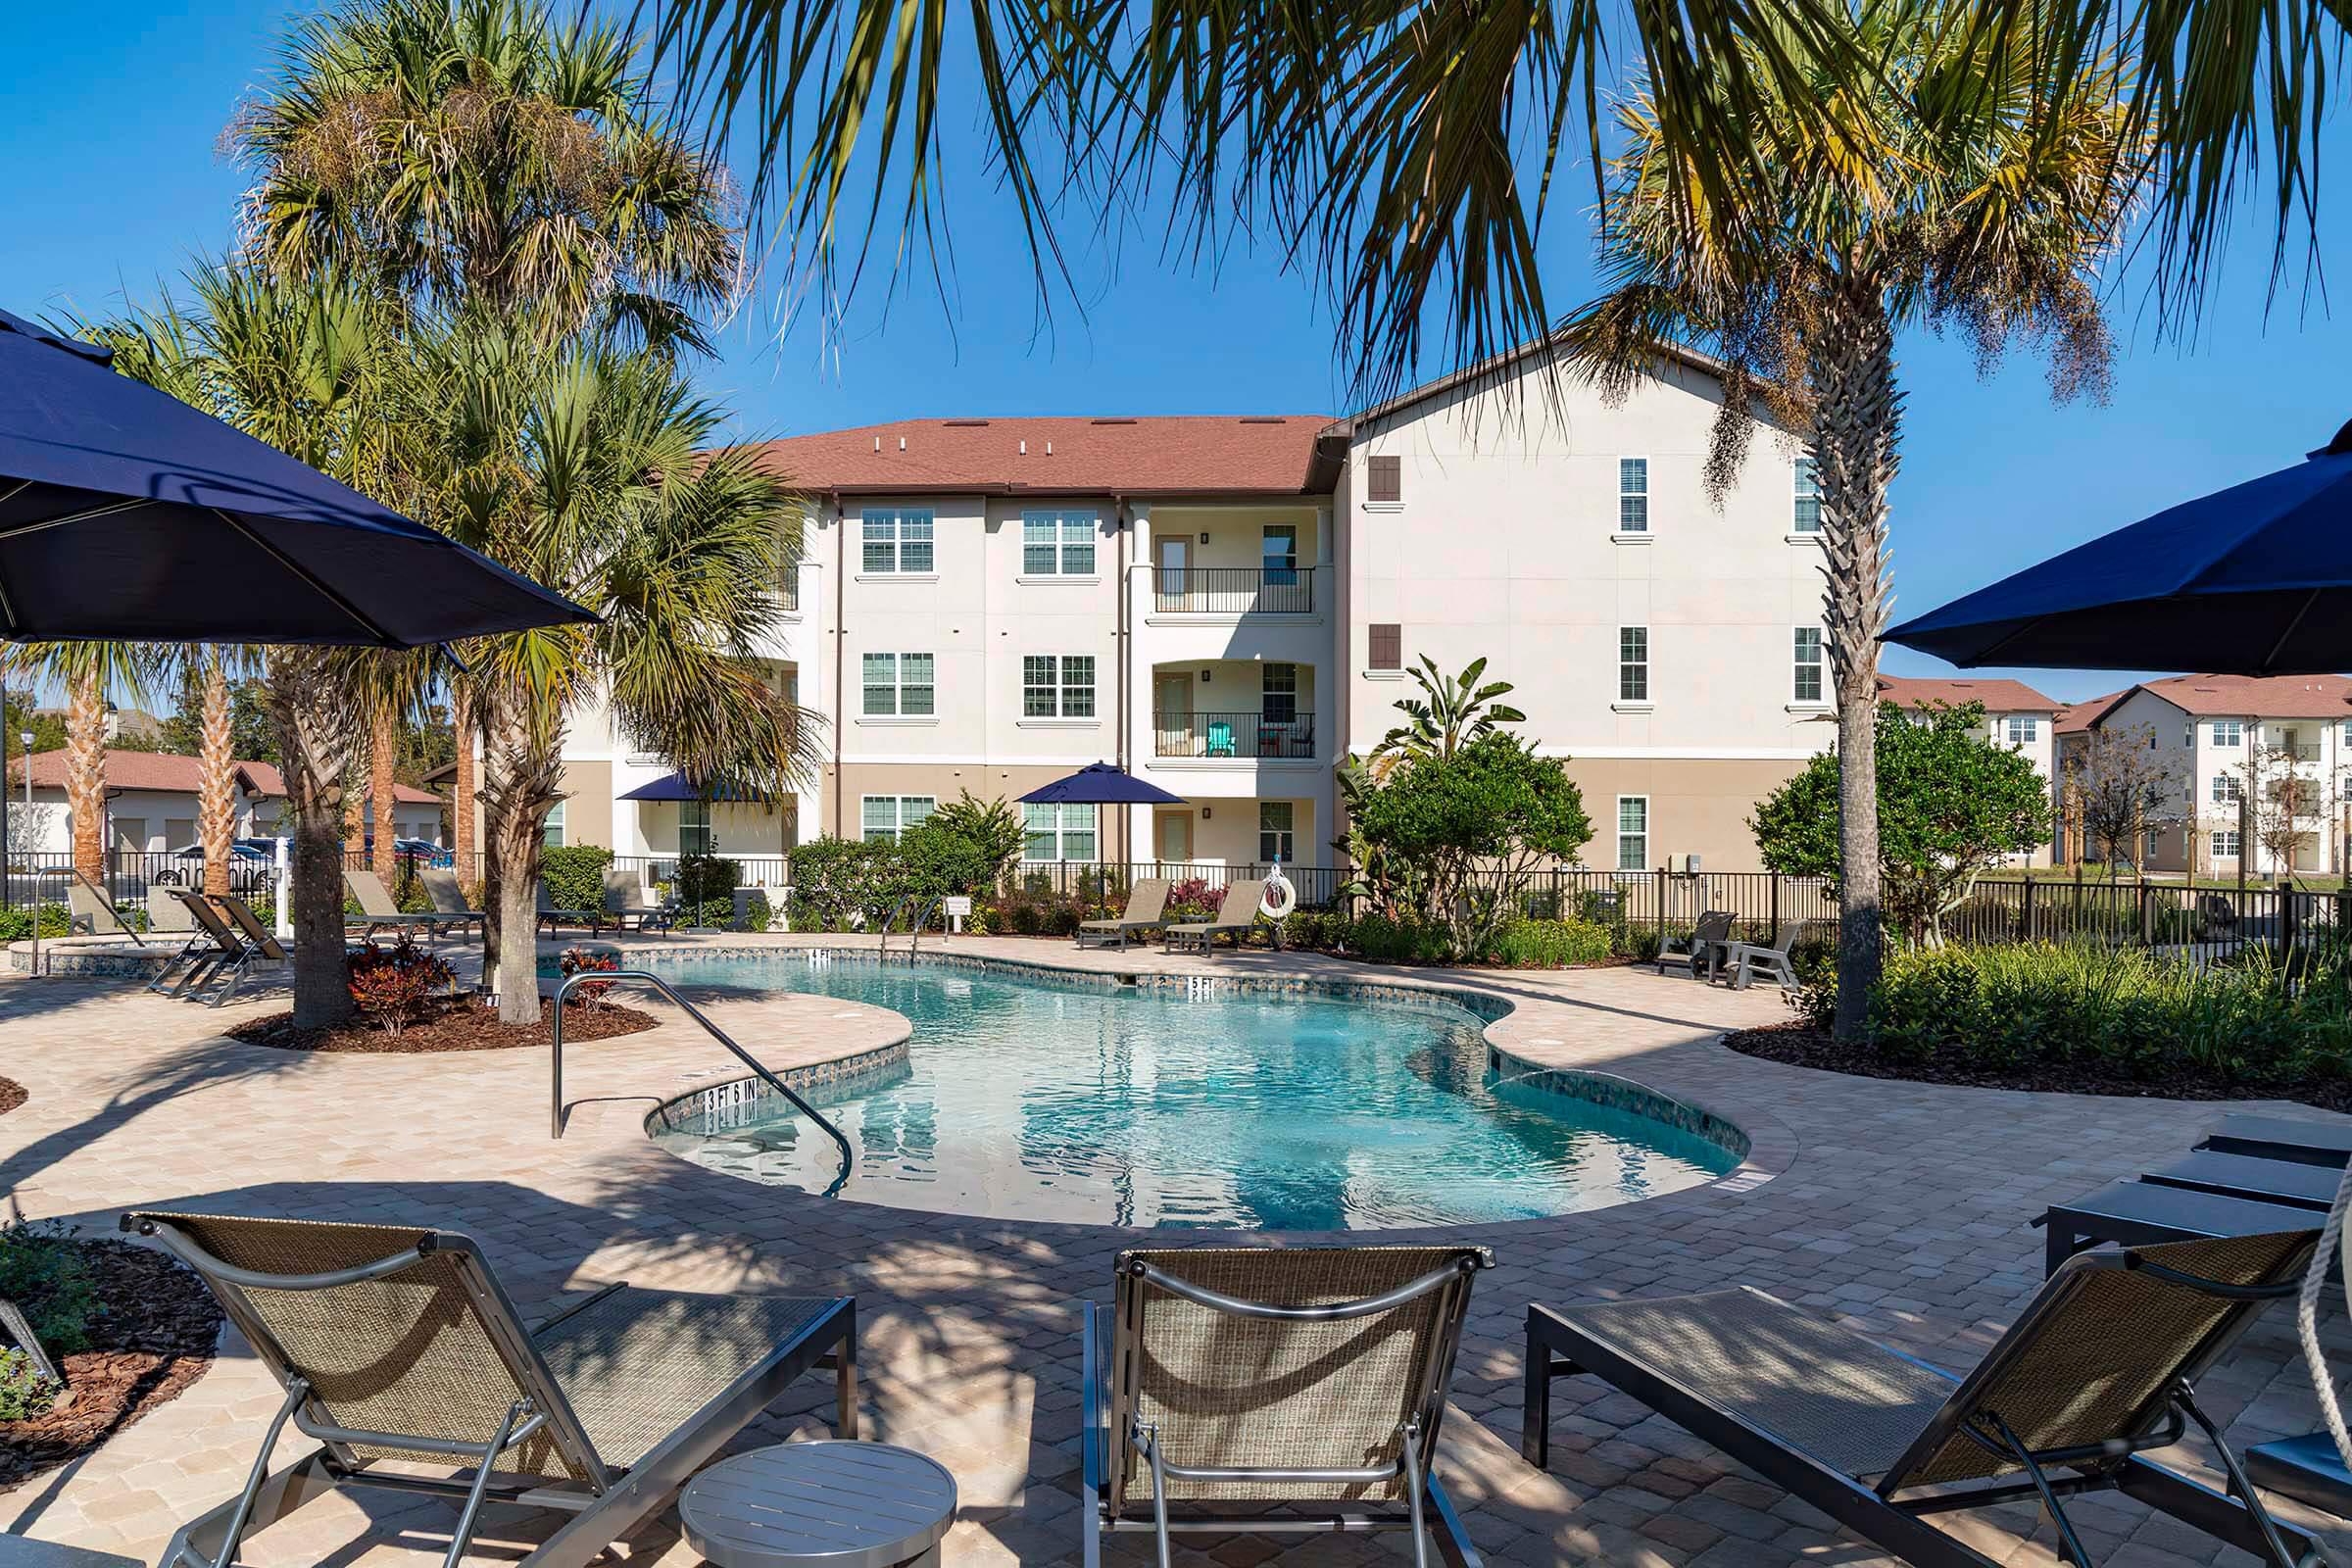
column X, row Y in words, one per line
column 12, row 1095
column 465, row 1024
column 154, row 1339
column 1801, row 1045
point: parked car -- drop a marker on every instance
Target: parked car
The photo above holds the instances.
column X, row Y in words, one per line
column 252, row 862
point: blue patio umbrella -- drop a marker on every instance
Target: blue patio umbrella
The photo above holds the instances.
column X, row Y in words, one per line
column 1100, row 784
column 126, row 513
column 2252, row 580
column 678, row 787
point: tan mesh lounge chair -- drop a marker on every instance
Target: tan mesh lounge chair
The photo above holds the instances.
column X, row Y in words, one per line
column 88, row 907
column 1237, row 916
column 165, row 913
column 2099, row 1368
column 624, row 901
column 1147, row 910
column 380, row 910
column 397, row 1344
column 211, row 946
column 1225, row 1379
column 448, row 899
column 259, row 943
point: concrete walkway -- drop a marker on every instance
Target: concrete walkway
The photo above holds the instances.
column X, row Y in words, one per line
column 1900, row 1208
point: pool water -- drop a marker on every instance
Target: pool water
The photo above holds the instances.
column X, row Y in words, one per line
column 1027, row 1098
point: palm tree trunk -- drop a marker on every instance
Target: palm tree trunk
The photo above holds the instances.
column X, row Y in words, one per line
column 382, row 754
column 461, row 712
column 215, row 784
column 314, row 744
column 86, row 772
column 1858, row 422
column 520, row 770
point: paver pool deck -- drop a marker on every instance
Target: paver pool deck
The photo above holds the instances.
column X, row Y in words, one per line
column 1900, row 1208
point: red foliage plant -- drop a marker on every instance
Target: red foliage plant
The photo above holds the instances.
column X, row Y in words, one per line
column 589, row 960
column 393, row 985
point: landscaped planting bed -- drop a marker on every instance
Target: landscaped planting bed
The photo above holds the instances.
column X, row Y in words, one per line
column 12, row 1095
column 462, row 1024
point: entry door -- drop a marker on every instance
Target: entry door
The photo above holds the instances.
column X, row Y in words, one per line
column 1175, row 556
column 1173, row 836
column 1172, row 708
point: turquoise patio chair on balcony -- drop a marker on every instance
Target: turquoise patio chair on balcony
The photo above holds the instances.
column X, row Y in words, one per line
column 1220, row 739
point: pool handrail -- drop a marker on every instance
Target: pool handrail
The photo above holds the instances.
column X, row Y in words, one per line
column 923, row 914
column 589, row 976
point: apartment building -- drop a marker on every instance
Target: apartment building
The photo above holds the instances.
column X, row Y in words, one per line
column 2015, row 715
column 1228, row 606
column 2221, row 736
column 151, row 804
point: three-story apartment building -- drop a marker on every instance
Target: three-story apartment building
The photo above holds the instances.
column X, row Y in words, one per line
column 1227, row 607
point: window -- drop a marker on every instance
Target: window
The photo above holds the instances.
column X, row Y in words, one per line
column 1632, row 832
column 897, row 542
column 1633, row 664
column 1058, row 544
column 886, row 816
column 1057, row 687
column 1281, row 554
column 2226, row 844
column 1632, row 495
column 2229, row 732
column 2150, row 846
column 2227, row 790
column 1808, row 665
column 2021, row 729
column 694, row 828
column 899, row 686
column 1388, row 645
column 1274, row 840
column 550, row 831
column 1384, row 479
column 1806, row 517
column 1278, row 694
column 1058, row 833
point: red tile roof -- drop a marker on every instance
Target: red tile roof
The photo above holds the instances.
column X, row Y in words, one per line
column 2258, row 696
column 169, row 772
column 1997, row 696
column 1203, row 455
column 2079, row 717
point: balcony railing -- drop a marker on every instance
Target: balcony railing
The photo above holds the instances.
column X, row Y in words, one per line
column 1239, row 736
column 1234, row 590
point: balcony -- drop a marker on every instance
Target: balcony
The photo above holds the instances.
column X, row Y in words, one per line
column 1233, row 590
column 1236, row 737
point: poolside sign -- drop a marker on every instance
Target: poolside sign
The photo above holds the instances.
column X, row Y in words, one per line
column 958, row 910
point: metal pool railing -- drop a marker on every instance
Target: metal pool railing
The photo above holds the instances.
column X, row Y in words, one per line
column 607, row 976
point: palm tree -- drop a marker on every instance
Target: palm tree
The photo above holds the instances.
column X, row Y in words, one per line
column 482, row 154
column 1447, row 715
column 593, row 470
column 1985, row 202
column 216, row 781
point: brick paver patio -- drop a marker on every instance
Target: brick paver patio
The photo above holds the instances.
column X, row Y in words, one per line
column 1900, row 1208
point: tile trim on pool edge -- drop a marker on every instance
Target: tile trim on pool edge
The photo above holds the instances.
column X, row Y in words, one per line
column 1607, row 1089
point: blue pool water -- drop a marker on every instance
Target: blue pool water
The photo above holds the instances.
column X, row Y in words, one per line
column 1028, row 1099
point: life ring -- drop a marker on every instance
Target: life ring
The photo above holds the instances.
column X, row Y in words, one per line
column 1279, row 899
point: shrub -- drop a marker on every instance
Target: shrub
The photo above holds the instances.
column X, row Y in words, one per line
column 41, row 1270
column 588, row 960
column 1551, row 944
column 16, row 925
column 1193, row 899
column 575, row 875
column 24, row 1392
column 392, row 985
column 1383, row 939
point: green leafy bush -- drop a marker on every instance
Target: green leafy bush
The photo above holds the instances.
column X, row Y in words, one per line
column 575, row 875
column 1551, row 944
column 24, row 1392
column 1400, row 939
column 41, row 1270
column 16, row 925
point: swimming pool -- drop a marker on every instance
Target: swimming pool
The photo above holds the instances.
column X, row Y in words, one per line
column 1024, row 1095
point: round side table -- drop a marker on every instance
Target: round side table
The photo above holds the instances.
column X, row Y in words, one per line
column 824, row 1504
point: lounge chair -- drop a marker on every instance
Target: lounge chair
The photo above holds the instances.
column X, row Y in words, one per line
column 625, row 899
column 380, row 910
column 2217, row 917
column 398, row 1342
column 88, row 907
column 165, row 913
column 211, row 946
column 1744, row 960
column 2143, row 1213
column 260, row 943
column 2098, row 1368
column 555, row 919
column 1236, row 916
column 448, row 899
column 1701, row 953
column 1146, row 912
column 1224, row 1379
column 2293, row 1138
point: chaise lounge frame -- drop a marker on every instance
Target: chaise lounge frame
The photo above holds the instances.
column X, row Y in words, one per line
column 1146, row 912
column 1895, row 1512
column 604, row 1500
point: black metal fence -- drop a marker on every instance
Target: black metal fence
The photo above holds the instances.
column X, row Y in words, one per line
column 1235, row 735
column 1233, row 590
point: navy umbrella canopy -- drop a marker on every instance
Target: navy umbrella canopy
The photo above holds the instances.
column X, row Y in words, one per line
column 2255, row 579
column 126, row 513
column 1100, row 784
column 678, row 787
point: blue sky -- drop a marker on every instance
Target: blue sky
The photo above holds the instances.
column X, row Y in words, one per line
column 115, row 182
